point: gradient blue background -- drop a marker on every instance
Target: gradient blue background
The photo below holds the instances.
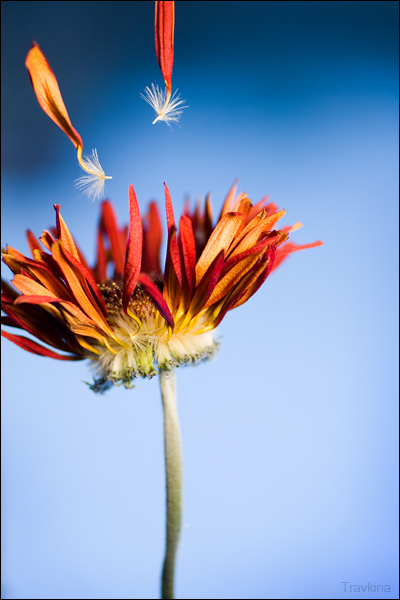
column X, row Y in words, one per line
column 290, row 436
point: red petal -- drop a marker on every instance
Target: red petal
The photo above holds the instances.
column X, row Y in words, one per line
column 188, row 250
column 109, row 223
column 8, row 290
column 33, row 241
column 158, row 298
column 173, row 250
column 87, row 276
column 207, row 285
column 288, row 248
column 252, row 289
column 101, row 266
column 235, row 297
column 64, row 234
column 259, row 246
column 169, row 209
column 38, row 322
column 152, row 237
column 9, row 322
column 164, row 29
column 33, row 299
column 35, row 348
column 134, row 252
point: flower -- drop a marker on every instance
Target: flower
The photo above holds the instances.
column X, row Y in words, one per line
column 49, row 97
column 140, row 321
column 167, row 107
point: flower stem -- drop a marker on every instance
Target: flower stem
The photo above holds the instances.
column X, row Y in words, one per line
column 173, row 472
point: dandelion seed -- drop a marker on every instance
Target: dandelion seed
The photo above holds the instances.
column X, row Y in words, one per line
column 92, row 184
column 167, row 109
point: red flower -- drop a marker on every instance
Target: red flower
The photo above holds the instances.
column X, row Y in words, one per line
column 139, row 320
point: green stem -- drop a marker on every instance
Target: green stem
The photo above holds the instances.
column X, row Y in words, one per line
column 173, row 472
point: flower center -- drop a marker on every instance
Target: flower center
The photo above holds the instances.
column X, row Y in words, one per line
column 141, row 303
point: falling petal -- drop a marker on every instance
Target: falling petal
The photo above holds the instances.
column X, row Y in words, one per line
column 48, row 94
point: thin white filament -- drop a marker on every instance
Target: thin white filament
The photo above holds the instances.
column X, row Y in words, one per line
column 166, row 111
column 93, row 183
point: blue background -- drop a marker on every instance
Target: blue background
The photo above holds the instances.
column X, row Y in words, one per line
column 290, row 436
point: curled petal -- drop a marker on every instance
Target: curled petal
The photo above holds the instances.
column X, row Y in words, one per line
column 158, row 298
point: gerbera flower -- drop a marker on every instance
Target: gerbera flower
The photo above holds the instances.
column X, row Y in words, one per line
column 126, row 316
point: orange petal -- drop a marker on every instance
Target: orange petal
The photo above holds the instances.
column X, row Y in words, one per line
column 64, row 234
column 234, row 275
column 48, row 93
column 252, row 232
column 204, row 290
column 49, row 97
column 220, row 239
column 29, row 287
column 257, row 278
column 82, row 295
column 227, row 206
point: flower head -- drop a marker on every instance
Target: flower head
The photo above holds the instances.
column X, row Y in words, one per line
column 139, row 320
column 49, row 97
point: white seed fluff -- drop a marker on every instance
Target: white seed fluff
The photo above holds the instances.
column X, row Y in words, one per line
column 92, row 184
column 166, row 111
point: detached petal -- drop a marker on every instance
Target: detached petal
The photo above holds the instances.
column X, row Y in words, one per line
column 164, row 30
column 49, row 97
column 48, row 93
